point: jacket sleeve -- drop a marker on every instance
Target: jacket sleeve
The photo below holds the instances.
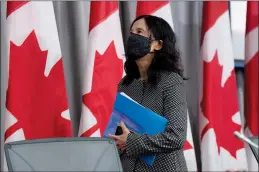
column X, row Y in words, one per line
column 174, row 136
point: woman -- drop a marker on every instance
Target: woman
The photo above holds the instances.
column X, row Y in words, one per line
column 155, row 80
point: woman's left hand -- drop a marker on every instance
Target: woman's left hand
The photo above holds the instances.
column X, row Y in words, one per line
column 121, row 139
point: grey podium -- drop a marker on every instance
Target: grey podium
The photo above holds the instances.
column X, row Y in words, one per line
column 63, row 154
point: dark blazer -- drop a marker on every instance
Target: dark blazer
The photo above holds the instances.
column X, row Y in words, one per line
column 168, row 99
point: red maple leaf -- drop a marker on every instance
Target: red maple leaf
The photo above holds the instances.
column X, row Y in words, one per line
column 219, row 105
column 187, row 145
column 35, row 100
column 108, row 70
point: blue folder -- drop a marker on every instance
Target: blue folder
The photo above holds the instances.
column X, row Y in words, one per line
column 137, row 118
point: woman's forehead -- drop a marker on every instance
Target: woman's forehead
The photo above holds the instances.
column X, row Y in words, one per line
column 140, row 25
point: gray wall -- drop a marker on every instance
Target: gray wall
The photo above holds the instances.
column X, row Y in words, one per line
column 72, row 22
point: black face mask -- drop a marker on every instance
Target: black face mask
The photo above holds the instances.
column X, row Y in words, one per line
column 138, row 46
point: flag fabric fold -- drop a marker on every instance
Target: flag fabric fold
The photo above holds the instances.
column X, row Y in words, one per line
column 104, row 68
column 251, row 79
column 220, row 116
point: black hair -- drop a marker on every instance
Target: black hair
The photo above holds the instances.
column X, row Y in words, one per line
column 165, row 59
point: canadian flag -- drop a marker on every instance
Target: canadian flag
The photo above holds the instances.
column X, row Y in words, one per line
column 163, row 9
column 36, row 100
column 104, row 67
column 251, row 78
column 220, row 117
column 157, row 8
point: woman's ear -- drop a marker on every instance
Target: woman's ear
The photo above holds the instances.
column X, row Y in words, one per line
column 158, row 45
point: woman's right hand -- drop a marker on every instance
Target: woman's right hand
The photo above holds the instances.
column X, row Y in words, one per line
column 121, row 139
column 120, row 147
